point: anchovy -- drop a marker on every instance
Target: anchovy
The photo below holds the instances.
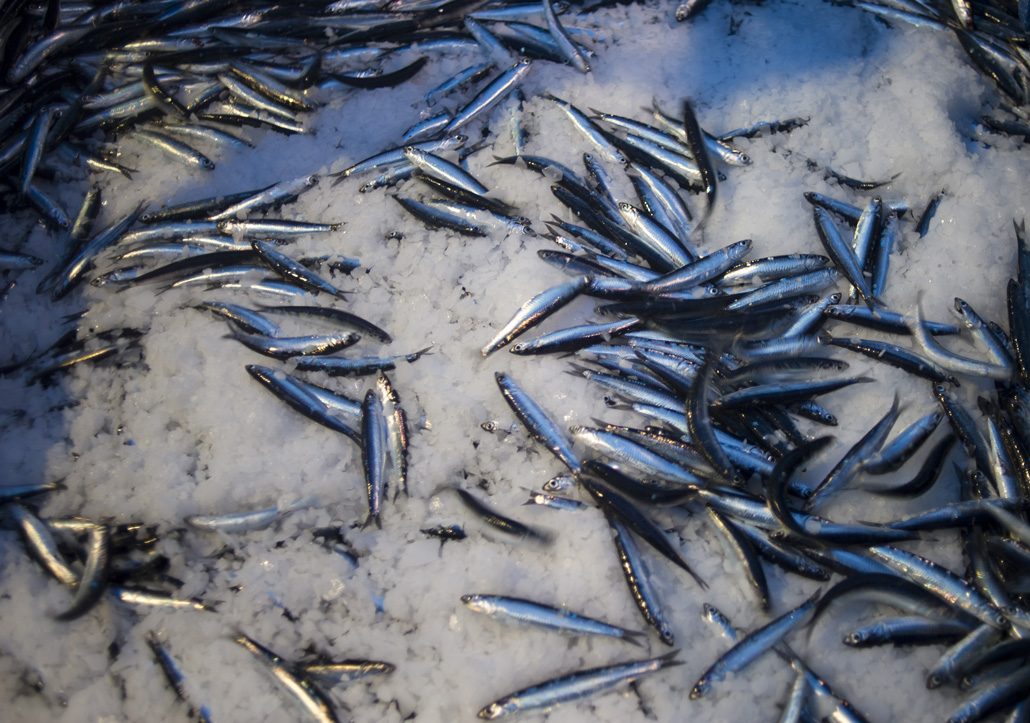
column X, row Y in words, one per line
column 546, row 616
column 536, row 421
column 497, row 520
column 93, row 581
column 773, row 268
column 554, row 501
column 747, row 554
column 1002, row 694
column 28, row 489
column 336, row 316
column 913, row 630
column 346, row 367
column 941, row 582
column 923, row 227
column 13, row 261
column 157, row 598
column 174, row 675
column 247, row 521
column 752, row 646
column 247, row 319
column 397, row 433
column 699, row 151
column 313, row 700
column 568, row 49
column 574, row 686
column 491, row 95
column 895, row 454
column 630, row 453
column 285, row 347
column 797, row 702
column 786, row 288
column 777, row 484
column 373, row 454
column 884, row 248
column 439, row 218
column 700, row 425
column 954, row 362
column 270, row 87
column 657, row 238
column 617, row 505
column 273, row 228
column 983, row 334
column 41, row 544
column 894, row 355
column 778, row 554
column 865, row 231
column 428, row 127
column 841, row 252
column 277, row 194
column 927, row 474
column 672, row 203
column 293, row 271
column 559, row 483
column 300, row 396
column 783, row 393
column 43, row 49
column 176, row 149
column 953, row 663
column 343, row 671
column 810, row 318
column 590, row 130
column 442, row 168
column 678, row 166
column 852, row 461
column 534, row 311
column 83, row 258
column 883, row 320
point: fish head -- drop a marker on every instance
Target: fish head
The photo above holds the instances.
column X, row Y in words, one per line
column 497, row 709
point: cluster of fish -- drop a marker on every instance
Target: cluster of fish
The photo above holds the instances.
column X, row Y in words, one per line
column 230, row 244
column 123, row 560
column 660, row 158
column 723, row 355
column 186, row 77
column 994, row 36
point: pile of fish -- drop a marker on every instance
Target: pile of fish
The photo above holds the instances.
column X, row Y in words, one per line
column 726, row 357
column 81, row 79
column 993, row 36
column 723, row 356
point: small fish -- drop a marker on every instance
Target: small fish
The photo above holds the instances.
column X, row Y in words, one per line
column 546, row 616
column 247, row 521
column 497, row 520
column 752, row 646
column 314, row 701
column 536, row 421
column 285, row 347
column 490, row 96
column 574, row 686
column 534, row 311
column 345, row 671
column 699, row 151
column 373, row 454
column 93, row 581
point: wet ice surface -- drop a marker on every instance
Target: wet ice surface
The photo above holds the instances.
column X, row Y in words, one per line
column 188, row 432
